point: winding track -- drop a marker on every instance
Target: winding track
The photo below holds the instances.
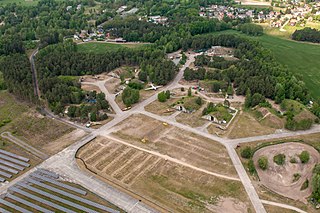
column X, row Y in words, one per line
column 64, row 162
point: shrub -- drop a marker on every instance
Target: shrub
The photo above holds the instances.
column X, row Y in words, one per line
column 279, row 159
column 251, row 167
column 246, row 152
column 296, row 177
column 304, row 185
column 162, row 97
column 293, row 160
column 263, row 162
column 304, row 157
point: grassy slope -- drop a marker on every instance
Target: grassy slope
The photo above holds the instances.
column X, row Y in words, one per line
column 102, row 47
column 301, row 58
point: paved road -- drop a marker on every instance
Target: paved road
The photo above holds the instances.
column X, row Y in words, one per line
column 283, row 206
column 17, row 141
column 34, row 74
column 65, row 121
column 109, row 97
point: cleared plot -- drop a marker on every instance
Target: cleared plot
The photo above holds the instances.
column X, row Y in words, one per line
column 174, row 187
column 280, row 178
column 192, row 119
column 196, row 150
column 162, row 108
column 247, row 126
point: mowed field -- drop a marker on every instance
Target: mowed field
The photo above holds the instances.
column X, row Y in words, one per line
column 161, row 183
column 101, row 47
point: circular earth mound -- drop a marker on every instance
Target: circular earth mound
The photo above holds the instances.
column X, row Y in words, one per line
column 288, row 178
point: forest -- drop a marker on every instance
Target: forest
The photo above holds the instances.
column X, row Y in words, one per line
column 307, row 34
column 255, row 70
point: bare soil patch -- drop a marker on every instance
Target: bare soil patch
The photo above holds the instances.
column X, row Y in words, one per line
column 247, row 126
column 230, row 205
column 196, row 150
column 165, row 184
column 192, row 119
column 57, row 145
column 279, row 178
column 88, row 87
column 112, row 85
column 162, row 108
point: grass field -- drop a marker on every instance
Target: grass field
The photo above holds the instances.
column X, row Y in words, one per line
column 101, row 47
column 27, row 124
column 301, row 58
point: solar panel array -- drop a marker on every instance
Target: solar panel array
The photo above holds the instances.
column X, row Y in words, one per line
column 42, row 191
column 11, row 164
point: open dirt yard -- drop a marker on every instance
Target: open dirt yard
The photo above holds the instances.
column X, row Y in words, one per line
column 153, row 135
column 280, row 178
column 275, row 209
column 165, row 184
column 246, row 126
column 112, row 85
column 53, row 147
column 266, row 193
column 162, row 108
column 192, row 119
column 88, row 87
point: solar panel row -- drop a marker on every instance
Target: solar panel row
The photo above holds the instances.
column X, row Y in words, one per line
column 37, row 188
column 14, row 155
column 59, row 199
column 11, row 163
column 82, row 192
column 46, row 202
column 14, row 160
column 72, row 196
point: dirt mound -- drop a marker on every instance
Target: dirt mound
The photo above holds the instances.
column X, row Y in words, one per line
column 288, row 178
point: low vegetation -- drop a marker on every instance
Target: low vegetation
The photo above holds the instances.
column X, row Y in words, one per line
column 316, row 184
column 247, row 152
column 296, row 177
column 263, row 162
column 305, row 185
column 279, row 159
column 130, row 96
column 251, row 29
column 304, row 157
column 307, row 34
column 164, row 96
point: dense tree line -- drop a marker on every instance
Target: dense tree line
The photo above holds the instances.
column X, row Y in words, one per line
column 251, row 29
column 17, row 76
column 307, row 34
column 59, row 60
column 256, row 68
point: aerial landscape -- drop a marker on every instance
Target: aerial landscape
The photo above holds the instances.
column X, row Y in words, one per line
column 147, row 106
